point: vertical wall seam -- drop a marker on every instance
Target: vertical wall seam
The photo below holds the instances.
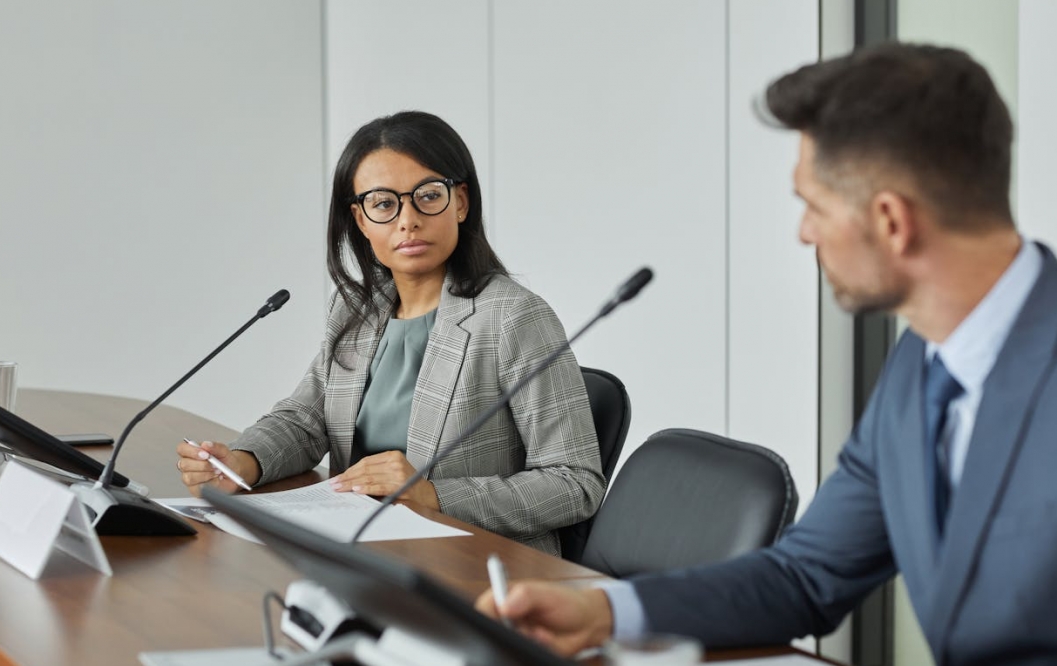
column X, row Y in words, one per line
column 324, row 95
column 726, row 212
column 819, row 329
column 491, row 121
column 818, row 340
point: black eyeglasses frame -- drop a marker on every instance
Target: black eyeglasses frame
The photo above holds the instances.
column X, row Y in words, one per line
column 449, row 183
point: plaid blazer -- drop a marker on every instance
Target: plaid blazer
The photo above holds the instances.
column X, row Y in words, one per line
column 529, row 470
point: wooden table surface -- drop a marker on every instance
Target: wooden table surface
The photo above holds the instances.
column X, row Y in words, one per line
column 170, row 593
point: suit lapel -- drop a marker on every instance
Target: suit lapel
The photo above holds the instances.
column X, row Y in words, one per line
column 1009, row 399
column 912, row 475
column 348, row 379
column 441, row 366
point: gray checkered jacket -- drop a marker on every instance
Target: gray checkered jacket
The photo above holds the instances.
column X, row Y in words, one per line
column 529, row 470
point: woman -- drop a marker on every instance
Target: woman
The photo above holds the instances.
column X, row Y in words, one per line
column 425, row 341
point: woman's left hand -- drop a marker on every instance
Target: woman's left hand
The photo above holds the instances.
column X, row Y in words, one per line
column 383, row 473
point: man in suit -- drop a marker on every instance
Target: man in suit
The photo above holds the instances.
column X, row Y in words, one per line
column 904, row 170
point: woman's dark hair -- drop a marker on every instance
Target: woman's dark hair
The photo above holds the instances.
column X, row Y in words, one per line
column 931, row 113
column 435, row 145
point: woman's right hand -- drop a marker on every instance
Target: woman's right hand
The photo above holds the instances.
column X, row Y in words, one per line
column 196, row 470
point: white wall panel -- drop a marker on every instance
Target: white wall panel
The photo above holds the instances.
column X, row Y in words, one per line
column 601, row 134
column 160, row 169
column 609, row 155
column 986, row 29
column 773, row 312
column 385, row 56
column 165, row 167
column 1036, row 137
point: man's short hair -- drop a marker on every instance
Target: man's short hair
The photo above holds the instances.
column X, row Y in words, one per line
column 929, row 113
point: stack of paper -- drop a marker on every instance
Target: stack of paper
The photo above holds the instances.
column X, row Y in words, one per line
column 321, row 509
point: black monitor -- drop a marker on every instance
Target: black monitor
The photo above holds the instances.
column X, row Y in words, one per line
column 387, row 593
column 29, row 441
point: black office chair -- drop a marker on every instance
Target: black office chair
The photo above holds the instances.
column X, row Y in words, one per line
column 687, row 497
column 611, row 411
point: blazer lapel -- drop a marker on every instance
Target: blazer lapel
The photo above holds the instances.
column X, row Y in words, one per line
column 911, row 471
column 1009, row 399
column 348, row 379
column 441, row 366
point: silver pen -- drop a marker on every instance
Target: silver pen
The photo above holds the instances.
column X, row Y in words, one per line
column 497, row 578
column 221, row 467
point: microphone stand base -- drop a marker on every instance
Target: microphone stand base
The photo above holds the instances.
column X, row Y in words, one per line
column 121, row 512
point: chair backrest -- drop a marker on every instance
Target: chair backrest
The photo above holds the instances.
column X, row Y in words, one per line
column 687, row 497
column 611, row 411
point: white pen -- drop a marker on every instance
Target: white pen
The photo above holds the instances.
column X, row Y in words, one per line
column 497, row 578
column 221, row 467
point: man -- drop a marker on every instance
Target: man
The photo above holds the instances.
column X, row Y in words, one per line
column 949, row 475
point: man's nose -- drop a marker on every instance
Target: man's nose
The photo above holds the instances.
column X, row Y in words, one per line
column 806, row 232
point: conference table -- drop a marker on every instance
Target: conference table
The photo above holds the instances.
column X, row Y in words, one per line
column 203, row 591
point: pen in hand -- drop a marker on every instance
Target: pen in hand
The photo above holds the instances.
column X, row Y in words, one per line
column 221, row 467
column 497, row 578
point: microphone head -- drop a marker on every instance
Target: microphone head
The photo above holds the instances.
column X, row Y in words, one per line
column 277, row 301
column 634, row 285
column 627, row 291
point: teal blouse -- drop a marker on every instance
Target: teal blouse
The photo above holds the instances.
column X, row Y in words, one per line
column 385, row 413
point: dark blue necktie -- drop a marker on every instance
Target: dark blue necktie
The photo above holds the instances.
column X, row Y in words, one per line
column 940, row 389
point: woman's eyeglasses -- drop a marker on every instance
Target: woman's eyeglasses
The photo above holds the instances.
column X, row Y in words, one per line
column 382, row 206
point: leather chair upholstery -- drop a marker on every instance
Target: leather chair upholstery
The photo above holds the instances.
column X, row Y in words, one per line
column 687, row 497
column 611, row 411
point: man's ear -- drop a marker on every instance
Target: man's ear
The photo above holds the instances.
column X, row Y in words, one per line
column 894, row 220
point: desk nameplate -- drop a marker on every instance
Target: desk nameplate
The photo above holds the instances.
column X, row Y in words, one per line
column 39, row 517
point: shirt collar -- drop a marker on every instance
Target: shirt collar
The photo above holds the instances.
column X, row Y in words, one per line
column 970, row 351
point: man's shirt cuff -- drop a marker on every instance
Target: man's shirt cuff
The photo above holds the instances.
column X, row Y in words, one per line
column 629, row 617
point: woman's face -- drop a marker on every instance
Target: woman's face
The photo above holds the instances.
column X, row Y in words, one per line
column 414, row 245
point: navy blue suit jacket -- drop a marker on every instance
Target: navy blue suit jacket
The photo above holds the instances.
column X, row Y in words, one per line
column 985, row 594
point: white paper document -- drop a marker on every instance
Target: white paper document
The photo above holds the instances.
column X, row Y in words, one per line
column 254, row 656
column 322, row 509
column 782, row 660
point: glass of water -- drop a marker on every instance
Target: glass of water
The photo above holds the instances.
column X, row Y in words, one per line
column 653, row 650
column 8, row 384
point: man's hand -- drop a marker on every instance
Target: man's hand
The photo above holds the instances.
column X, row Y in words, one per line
column 564, row 619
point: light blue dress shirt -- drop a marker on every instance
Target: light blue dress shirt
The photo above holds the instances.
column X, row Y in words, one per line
column 970, row 351
column 969, row 354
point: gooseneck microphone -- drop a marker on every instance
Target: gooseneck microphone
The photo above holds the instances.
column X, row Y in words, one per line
column 627, row 291
column 119, row 511
column 274, row 303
